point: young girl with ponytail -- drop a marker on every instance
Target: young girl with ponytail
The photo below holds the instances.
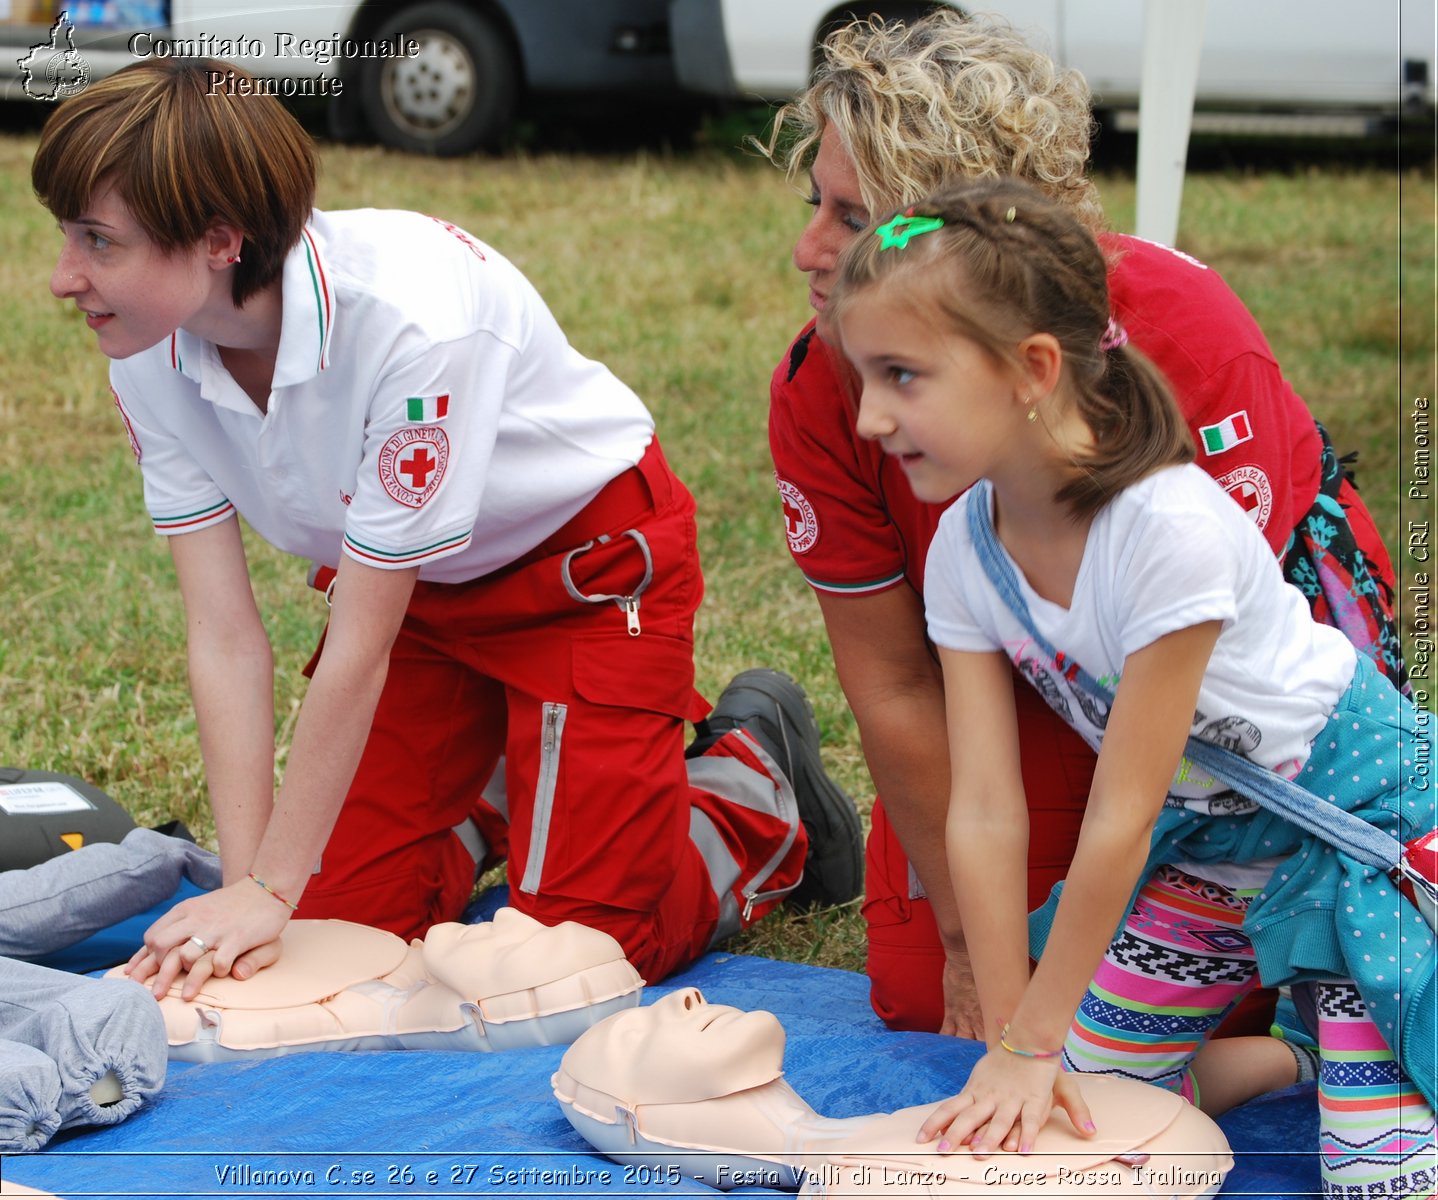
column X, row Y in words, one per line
column 897, row 110
column 1146, row 609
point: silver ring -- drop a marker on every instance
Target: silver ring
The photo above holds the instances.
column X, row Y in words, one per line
column 200, row 942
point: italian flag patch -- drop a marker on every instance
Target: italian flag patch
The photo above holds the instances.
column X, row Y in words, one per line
column 1232, row 431
column 427, row 409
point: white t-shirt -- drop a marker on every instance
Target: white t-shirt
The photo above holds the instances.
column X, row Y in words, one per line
column 426, row 409
column 1169, row 552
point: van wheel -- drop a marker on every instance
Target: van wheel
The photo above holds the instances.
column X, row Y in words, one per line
column 457, row 94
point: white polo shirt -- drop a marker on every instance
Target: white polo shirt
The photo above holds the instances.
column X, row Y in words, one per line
column 426, row 409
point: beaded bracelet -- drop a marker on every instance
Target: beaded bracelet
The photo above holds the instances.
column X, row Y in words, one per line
column 277, row 896
column 1004, row 1042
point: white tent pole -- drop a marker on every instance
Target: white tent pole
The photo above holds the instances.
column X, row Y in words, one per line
column 1172, row 42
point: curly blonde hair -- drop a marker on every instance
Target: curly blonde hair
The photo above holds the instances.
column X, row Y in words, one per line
column 941, row 97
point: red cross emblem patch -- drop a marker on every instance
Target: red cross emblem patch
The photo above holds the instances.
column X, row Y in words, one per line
column 1250, row 489
column 412, row 463
column 801, row 526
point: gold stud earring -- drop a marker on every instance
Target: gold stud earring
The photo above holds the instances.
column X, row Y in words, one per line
column 1029, row 404
column 1033, row 414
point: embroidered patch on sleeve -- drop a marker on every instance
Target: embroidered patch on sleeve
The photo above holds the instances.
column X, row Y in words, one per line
column 412, row 463
column 426, row 410
column 1249, row 487
column 1232, row 431
column 801, row 526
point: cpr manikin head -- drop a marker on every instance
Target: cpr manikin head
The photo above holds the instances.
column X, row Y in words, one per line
column 680, row 1049
column 514, row 968
column 505, row 983
column 700, row 1085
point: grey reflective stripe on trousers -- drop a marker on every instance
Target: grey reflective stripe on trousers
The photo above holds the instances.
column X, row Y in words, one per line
column 552, row 717
column 725, row 777
column 735, row 783
column 467, row 831
column 495, row 793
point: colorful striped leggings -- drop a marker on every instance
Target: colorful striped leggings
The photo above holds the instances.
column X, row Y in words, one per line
column 1179, row 965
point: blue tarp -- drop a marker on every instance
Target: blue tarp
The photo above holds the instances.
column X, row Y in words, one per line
column 423, row 1124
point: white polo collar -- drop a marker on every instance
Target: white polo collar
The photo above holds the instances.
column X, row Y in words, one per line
column 306, row 320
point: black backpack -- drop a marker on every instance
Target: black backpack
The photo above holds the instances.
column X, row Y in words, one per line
column 43, row 814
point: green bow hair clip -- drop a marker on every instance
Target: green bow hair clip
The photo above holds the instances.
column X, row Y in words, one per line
column 897, row 232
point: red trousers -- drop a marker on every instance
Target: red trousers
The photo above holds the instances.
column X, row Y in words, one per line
column 590, row 719
column 906, row 958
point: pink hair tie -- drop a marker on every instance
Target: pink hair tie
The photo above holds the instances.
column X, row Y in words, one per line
column 1114, row 336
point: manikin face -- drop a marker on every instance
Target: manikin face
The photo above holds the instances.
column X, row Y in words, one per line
column 133, row 293
column 839, row 217
column 935, row 400
column 511, row 953
column 680, row 1048
column 509, row 929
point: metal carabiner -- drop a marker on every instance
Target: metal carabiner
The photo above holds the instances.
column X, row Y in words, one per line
column 629, row 603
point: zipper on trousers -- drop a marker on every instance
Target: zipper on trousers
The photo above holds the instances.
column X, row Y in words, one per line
column 552, row 717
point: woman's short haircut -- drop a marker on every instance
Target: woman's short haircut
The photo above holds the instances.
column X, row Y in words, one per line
column 940, row 98
column 185, row 143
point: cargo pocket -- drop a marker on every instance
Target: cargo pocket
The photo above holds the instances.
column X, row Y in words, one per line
column 654, row 673
column 650, row 674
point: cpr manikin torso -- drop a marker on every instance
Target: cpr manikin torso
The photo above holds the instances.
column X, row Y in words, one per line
column 700, row 1085
column 502, row 984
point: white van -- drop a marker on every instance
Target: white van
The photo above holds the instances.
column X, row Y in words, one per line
column 1312, row 65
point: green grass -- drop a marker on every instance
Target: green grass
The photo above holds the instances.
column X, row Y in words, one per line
column 674, row 271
